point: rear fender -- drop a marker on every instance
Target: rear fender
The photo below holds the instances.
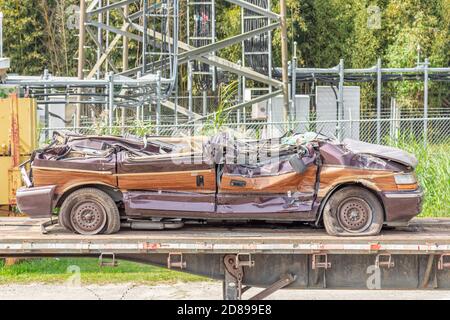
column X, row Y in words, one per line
column 37, row 202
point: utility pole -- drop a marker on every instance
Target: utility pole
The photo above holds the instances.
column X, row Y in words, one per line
column 81, row 55
column 284, row 57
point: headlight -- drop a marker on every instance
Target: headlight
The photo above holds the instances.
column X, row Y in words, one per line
column 405, row 178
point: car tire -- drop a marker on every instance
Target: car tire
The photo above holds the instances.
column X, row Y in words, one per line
column 90, row 211
column 64, row 221
column 353, row 211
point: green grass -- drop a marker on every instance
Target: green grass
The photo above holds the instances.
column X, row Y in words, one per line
column 58, row 270
column 433, row 173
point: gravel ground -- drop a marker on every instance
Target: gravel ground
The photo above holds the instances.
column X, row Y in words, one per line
column 195, row 290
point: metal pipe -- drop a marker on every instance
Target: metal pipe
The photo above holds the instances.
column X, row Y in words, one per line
column 73, row 82
column 81, row 55
column 205, row 103
column 125, row 63
column 213, row 40
column 269, row 49
column 144, row 36
column 379, row 84
column 425, row 102
column 158, row 103
column 294, row 82
column 238, row 112
column 125, row 50
column 340, row 99
column 244, row 82
column 335, row 70
column 46, row 111
column 111, row 101
column 108, row 23
column 190, row 88
column 284, row 56
column 99, row 37
column 200, row 51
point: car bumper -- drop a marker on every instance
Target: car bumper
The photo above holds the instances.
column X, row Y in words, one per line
column 402, row 206
column 36, row 202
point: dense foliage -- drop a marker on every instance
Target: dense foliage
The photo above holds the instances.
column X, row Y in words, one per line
column 37, row 33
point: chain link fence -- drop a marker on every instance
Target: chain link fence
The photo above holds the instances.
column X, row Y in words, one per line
column 392, row 130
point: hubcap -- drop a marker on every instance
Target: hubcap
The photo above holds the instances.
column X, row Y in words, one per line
column 354, row 214
column 88, row 218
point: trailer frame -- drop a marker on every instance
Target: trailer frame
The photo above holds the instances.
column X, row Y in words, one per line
column 270, row 257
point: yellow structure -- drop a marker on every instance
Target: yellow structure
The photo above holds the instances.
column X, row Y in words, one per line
column 18, row 139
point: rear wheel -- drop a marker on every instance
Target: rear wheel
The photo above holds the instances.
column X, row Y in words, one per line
column 90, row 211
column 353, row 211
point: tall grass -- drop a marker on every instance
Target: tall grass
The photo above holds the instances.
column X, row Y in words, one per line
column 433, row 172
column 227, row 95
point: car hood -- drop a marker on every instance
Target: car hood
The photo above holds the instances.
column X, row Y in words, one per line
column 384, row 152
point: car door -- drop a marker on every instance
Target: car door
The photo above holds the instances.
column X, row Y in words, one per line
column 179, row 183
column 270, row 190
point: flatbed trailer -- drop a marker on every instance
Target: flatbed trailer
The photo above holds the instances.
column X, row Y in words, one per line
column 270, row 257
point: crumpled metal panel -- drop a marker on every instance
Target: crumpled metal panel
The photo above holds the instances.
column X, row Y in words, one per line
column 384, row 152
column 263, row 203
column 137, row 202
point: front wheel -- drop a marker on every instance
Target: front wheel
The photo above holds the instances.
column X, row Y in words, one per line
column 90, row 211
column 353, row 211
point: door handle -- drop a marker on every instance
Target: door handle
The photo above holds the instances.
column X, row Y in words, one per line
column 200, row 181
column 238, row 183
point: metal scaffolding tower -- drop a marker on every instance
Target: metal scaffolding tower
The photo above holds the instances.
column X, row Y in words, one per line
column 257, row 52
column 148, row 27
column 153, row 26
column 201, row 31
column 129, row 57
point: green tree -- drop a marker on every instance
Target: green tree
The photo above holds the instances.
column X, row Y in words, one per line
column 23, row 34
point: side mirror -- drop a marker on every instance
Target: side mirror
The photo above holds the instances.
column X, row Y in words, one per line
column 297, row 164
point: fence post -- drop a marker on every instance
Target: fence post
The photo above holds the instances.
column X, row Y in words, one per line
column 46, row 108
column 158, row 102
column 238, row 112
column 351, row 123
column 111, row 101
column 294, row 83
column 425, row 103
column 138, row 107
column 379, row 84
column 189, row 84
column 205, row 102
column 340, row 99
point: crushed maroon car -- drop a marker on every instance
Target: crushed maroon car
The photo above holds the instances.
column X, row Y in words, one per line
column 98, row 184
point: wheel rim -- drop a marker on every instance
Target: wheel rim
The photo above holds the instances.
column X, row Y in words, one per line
column 355, row 215
column 88, row 218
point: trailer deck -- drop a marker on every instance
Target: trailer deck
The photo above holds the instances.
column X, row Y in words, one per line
column 272, row 257
column 423, row 236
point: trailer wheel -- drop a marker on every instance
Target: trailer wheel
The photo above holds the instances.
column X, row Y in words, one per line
column 90, row 211
column 353, row 211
